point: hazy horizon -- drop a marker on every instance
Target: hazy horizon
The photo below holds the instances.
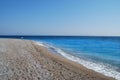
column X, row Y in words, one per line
column 64, row 17
column 61, row 35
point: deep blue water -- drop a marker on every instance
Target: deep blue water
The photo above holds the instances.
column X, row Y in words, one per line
column 101, row 51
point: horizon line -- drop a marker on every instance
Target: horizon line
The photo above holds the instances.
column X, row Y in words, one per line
column 66, row 35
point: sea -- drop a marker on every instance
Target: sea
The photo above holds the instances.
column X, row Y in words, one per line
column 101, row 54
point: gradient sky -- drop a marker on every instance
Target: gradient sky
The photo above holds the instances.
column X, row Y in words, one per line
column 60, row 17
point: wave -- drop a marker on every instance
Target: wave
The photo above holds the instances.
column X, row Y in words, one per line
column 98, row 67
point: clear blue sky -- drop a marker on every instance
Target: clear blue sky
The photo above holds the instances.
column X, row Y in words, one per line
column 60, row 17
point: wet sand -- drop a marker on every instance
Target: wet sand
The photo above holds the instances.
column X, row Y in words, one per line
column 25, row 60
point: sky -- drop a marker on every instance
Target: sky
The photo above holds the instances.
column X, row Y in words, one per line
column 60, row 17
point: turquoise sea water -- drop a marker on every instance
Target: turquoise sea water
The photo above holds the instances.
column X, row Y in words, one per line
column 101, row 54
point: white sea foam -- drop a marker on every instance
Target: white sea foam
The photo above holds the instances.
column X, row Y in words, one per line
column 98, row 67
column 39, row 43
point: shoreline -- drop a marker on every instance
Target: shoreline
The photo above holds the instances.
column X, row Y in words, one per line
column 96, row 67
column 24, row 59
column 78, row 66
